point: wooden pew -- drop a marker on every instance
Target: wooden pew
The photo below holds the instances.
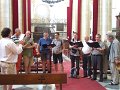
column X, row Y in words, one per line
column 18, row 79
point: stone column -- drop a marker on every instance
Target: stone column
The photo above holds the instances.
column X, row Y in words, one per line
column 109, row 15
column 86, row 16
column 75, row 16
column 104, row 17
column 5, row 14
column 100, row 16
column 10, row 14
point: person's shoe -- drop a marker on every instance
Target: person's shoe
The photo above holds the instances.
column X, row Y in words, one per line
column 49, row 71
column 83, row 76
column 77, row 76
column 93, row 78
column 70, row 76
column 89, row 77
column 113, row 83
column 101, row 80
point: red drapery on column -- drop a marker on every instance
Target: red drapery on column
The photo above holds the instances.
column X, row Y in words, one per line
column 14, row 15
column 69, row 19
column 79, row 18
column 24, row 15
column 29, row 15
column 95, row 17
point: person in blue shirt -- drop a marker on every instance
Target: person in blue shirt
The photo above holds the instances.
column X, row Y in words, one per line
column 45, row 51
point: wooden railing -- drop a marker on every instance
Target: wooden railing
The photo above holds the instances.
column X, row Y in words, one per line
column 18, row 79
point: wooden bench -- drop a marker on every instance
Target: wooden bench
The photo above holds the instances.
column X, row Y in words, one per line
column 18, row 79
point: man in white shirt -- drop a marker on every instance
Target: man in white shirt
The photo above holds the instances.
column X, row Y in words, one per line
column 86, row 50
column 9, row 55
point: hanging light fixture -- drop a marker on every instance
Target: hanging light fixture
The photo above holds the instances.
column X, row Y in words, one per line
column 51, row 2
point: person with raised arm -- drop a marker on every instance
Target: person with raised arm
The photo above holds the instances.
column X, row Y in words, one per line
column 9, row 55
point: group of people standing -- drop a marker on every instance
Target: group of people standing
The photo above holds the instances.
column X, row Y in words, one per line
column 27, row 53
column 47, row 52
column 104, row 57
column 13, row 50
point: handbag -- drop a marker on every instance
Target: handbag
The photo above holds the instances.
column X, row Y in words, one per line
column 73, row 72
column 118, row 66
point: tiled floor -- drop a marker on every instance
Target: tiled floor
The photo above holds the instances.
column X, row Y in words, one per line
column 109, row 87
column 34, row 87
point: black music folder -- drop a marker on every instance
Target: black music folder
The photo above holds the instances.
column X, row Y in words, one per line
column 79, row 44
column 93, row 44
column 46, row 45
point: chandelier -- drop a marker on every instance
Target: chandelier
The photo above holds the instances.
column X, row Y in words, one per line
column 51, row 2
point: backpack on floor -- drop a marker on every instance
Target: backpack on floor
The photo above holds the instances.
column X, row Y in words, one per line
column 73, row 72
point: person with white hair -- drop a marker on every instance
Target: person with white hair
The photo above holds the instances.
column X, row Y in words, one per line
column 114, row 57
column 15, row 39
column 16, row 36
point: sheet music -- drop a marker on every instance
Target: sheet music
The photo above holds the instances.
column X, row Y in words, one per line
column 21, row 37
column 93, row 44
column 45, row 45
column 80, row 44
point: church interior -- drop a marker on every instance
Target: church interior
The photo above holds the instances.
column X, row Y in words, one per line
column 66, row 17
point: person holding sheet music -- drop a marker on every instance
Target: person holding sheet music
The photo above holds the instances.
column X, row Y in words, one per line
column 44, row 49
column 75, row 54
column 86, row 50
column 57, row 52
column 28, row 52
column 97, row 58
